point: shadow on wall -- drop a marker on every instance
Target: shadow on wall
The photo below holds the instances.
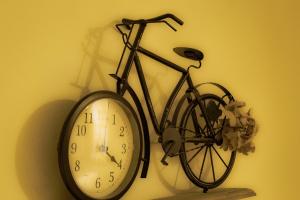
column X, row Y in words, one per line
column 172, row 176
column 36, row 153
column 93, row 59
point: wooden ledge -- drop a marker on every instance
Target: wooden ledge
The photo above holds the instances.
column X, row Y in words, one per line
column 216, row 194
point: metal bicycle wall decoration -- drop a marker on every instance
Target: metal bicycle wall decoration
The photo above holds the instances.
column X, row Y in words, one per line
column 104, row 140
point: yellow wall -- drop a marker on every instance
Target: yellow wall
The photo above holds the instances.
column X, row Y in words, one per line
column 251, row 47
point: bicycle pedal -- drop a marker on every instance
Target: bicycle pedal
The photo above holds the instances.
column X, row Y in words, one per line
column 167, row 152
column 163, row 160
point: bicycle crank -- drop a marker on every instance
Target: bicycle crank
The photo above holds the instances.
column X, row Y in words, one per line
column 171, row 143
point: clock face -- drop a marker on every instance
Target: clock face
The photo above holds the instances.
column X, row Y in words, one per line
column 103, row 150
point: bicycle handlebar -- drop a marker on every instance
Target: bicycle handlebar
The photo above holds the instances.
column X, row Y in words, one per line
column 160, row 19
column 168, row 15
column 152, row 20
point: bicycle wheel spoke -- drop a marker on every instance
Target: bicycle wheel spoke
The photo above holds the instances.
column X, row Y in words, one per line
column 219, row 156
column 204, row 103
column 197, row 126
column 203, row 163
column 208, row 129
column 205, row 129
column 216, row 121
column 220, row 128
column 212, row 164
column 192, row 149
column 223, row 124
column 195, row 154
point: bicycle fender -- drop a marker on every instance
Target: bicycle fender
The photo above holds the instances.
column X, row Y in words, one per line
column 146, row 157
column 226, row 92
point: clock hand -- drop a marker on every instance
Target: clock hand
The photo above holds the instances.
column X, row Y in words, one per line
column 112, row 158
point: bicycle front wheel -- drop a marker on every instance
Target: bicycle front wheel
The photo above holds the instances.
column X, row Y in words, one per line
column 205, row 163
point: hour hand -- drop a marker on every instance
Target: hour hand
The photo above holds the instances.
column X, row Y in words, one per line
column 112, row 158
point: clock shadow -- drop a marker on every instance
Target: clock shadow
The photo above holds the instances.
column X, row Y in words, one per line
column 36, row 156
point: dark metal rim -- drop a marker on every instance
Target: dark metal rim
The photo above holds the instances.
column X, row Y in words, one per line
column 188, row 171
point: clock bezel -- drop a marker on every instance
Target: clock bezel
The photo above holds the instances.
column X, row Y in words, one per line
column 63, row 148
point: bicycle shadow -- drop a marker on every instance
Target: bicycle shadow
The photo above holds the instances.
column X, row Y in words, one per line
column 36, row 155
column 172, row 176
column 94, row 63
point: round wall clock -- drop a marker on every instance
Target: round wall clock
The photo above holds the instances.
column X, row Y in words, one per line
column 100, row 147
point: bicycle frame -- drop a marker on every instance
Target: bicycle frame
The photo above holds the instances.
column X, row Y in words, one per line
column 192, row 94
column 134, row 57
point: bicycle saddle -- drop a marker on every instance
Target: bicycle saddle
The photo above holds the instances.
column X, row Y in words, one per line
column 190, row 53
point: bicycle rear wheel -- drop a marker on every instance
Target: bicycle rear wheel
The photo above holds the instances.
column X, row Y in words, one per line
column 205, row 163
